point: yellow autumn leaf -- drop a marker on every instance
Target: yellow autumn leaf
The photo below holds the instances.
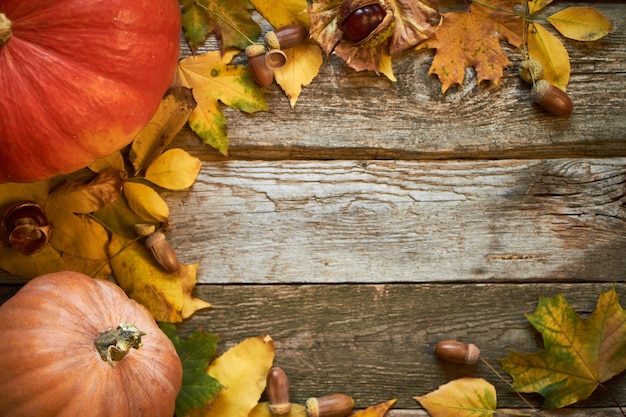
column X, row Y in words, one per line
column 175, row 170
column 78, row 235
column 31, row 266
column 262, row 410
column 144, row 281
column 546, row 48
column 187, row 277
column 581, row 23
column 536, row 5
column 378, row 410
column 242, row 370
column 169, row 119
column 303, row 64
column 146, row 202
column 464, row 397
column 385, row 66
column 80, row 197
column 283, row 12
column 12, row 192
column 114, row 161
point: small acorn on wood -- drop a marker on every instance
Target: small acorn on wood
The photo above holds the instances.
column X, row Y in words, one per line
column 530, row 71
column 454, row 351
column 551, row 98
column 332, row 405
column 277, row 389
column 261, row 73
column 366, row 22
column 162, row 251
column 286, row 37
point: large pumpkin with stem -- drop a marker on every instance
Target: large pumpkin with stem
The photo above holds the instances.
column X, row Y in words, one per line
column 79, row 79
column 77, row 346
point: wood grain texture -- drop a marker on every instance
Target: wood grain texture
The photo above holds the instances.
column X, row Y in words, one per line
column 348, row 115
column 398, row 221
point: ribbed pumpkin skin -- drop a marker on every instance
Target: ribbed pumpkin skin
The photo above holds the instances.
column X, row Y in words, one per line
column 79, row 79
column 49, row 366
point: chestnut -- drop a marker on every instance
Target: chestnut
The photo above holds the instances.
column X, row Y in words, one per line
column 27, row 227
column 366, row 22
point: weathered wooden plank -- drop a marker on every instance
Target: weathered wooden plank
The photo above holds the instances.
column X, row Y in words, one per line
column 349, row 115
column 376, row 342
column 389, row 221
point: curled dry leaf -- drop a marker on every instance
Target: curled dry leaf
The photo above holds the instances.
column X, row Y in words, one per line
column 413, row 22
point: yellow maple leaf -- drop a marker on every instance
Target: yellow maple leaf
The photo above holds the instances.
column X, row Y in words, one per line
column 472, row 38
column 213, row 79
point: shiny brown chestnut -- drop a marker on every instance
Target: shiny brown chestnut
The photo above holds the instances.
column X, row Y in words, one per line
column 366, row 22
column 27, row 227
column 551, row 98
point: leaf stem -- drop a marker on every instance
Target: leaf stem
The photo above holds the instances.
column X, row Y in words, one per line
column 610, row 394
column 223, row 19
column 519, row 394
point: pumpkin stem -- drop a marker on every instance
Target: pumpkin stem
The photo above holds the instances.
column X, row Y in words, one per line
column 114, row 344
column 5, row 29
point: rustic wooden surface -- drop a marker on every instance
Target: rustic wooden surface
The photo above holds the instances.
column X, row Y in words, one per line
column 377, row 218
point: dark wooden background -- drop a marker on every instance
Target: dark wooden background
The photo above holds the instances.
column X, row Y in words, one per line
column 377, row 218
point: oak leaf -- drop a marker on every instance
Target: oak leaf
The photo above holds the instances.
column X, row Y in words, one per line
column 242, row 370
column 414, row 21
column 578, row 354
column 462, row 397
column 213, row 79
column 472, row 39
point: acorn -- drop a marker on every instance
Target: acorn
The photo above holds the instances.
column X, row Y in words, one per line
column 286, row 37
column 551, row 98
column 366, row 23
column 454, row 351
column 530, row 70
column 261, row 73
column 332, row 405
column 277, row 389
column 27, row 227
column 275, row 59
column 162, row 251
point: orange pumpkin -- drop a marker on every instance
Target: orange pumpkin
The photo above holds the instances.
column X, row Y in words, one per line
column 79, row 79
column 50, row 363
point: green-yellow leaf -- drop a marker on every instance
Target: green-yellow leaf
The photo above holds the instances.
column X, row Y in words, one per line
column 548, row 49
column 213, row 79
column 174, row 170
column 303, row 64
column 114, row 161
column 232, row 22
column 146, row 202
column 78, row 235
column 581, row 23
column 12, row 192
column 465, row 397
column 579, row 354
column 197, row 23
column 169, row 119
column 243, row 371
column 31, row 266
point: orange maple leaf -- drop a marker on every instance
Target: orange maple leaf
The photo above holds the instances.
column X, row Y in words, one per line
column 472, row 39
